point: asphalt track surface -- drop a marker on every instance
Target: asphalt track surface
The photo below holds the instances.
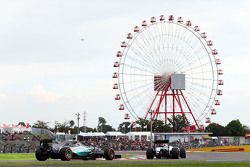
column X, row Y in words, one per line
column 206, row 156
column 219, row 156
column 191, row 156
column 139, row 160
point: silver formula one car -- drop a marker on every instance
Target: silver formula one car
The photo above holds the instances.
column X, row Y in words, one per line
column 72, row 150
column 162, row 149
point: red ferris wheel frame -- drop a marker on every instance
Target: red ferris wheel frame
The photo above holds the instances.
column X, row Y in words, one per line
column 176, row 96
column 180, row 104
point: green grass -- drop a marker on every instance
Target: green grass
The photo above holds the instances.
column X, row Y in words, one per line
column 31, row 156
column 28, row 160
column 130, row 163
column 17, row 156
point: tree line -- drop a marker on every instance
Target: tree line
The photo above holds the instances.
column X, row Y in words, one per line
column 70, row 126
column 233, row 128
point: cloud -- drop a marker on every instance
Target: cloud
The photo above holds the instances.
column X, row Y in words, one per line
column 234, row 65
column 3, row 97
column 45, row 68
column 40, row 93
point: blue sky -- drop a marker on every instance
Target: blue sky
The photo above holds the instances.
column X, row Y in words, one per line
column 48, row 73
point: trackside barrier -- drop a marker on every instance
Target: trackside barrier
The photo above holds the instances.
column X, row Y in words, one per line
column 223, row 149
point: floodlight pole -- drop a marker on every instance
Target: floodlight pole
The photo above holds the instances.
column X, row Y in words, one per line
column 188, row 136
column 78, row 118
column 84, row 122
column 151, row 127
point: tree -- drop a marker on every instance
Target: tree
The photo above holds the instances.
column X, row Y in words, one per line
column 106, row 128
column 41, row 124
column 82, row 129
column 71, row 123
column 216, row 129
column 124, row 127
column 246, row 129
column 235, row 128
column 144, row 123
column 101, row 121
column 102, row 125
column 21, row 123
column 159, row 126
column 178, row 123
column 64, row 127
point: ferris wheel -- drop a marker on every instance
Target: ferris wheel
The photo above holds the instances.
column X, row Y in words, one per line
column 168, row 67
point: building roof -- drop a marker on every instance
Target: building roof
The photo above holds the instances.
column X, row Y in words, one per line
column 97, row 134
column 185, row 133
column 111, row 133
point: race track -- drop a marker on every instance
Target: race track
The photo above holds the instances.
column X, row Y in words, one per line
column 138, row 158
column 203, row 156
column 219, row 156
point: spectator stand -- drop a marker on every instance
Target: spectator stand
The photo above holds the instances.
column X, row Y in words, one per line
column 141, row 136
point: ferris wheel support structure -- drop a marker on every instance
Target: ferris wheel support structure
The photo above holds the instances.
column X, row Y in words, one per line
column 176, row 96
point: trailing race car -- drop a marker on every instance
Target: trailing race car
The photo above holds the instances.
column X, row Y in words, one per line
column 163, row 150
column 71, row 150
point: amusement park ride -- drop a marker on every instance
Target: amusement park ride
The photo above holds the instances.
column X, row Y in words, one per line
column 168, row 67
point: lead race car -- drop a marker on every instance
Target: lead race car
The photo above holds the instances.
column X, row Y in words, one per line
column 162, row 149
column 71, row 150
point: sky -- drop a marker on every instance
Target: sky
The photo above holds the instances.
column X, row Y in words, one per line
column 56, row 56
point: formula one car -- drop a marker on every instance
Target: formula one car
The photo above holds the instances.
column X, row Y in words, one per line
column 71, row 150
column 163, row 150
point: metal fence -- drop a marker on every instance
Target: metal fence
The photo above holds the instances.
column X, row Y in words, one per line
column 18, row 147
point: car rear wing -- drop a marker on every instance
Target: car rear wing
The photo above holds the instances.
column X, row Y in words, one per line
column 45, row 143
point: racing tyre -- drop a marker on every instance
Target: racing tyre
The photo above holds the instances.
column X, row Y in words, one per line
column 182, row 153
column 109, row 154
column 66, row 154
column 158, row 157
column 40, row 156
column 175, row 153
column 150, row 153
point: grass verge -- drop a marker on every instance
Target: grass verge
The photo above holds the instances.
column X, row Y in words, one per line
column 17, row 156
column 129, row 163
column 28, row 160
